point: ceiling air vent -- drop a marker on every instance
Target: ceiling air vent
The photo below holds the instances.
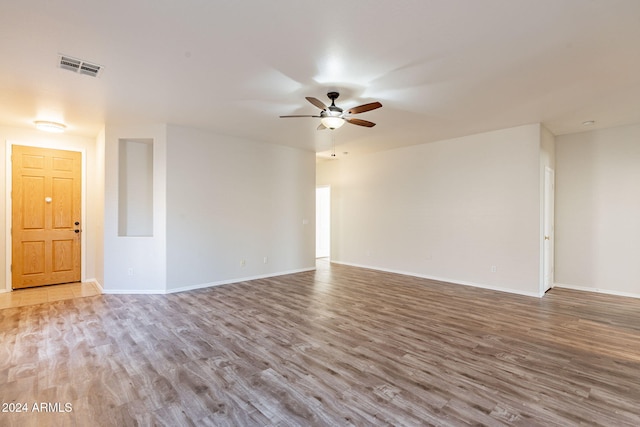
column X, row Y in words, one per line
column 79, row 66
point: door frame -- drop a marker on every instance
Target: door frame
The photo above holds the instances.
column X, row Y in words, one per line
column 53, row 145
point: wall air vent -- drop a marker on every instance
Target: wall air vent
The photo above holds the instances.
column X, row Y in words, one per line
column 79, row 66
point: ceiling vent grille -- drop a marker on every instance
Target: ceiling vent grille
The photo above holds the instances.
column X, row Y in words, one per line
column 79, row 66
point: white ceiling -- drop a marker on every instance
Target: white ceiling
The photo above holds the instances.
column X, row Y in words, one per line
column 441, row 68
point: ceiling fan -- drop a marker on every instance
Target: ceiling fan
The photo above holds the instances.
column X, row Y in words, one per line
column 333, row 117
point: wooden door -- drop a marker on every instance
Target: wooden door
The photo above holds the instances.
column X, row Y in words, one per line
column 45, row 216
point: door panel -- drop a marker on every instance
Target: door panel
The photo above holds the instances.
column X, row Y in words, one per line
column 45, row 207
column 62, row 255
column 33, row 257
column 33, row 161
column 32, row 202
column 62, row 199
column 62, row 164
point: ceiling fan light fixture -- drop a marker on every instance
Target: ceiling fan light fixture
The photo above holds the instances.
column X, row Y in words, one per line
column 333, row 117
column 332, row 122
column 50, row 126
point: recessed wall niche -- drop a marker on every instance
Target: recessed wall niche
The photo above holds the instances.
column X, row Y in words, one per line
column 135, row 187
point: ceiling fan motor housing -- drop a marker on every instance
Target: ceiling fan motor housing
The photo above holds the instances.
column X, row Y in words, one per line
column 333, row 96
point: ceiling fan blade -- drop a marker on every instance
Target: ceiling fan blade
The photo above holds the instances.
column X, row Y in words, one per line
column 307, row 115
column 360, row 122
column 316, row 102
column 365, row 107
column 321, row 127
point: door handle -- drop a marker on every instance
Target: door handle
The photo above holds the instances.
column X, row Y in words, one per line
column 76, row 231
column 546, row 237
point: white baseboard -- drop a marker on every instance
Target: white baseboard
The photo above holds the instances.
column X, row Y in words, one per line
column 200, row 285
column 99, row 285
column 95, row 281
column 596, row 290
column 230, row 281
column 447, row 280
column 133, row 292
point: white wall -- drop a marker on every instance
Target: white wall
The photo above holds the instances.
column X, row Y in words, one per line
column 598, row 210
column 448, row 210
column 229, row 200
column 135, row 264
column 91, row 192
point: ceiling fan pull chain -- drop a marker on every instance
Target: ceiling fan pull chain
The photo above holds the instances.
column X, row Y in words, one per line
column 333, row 143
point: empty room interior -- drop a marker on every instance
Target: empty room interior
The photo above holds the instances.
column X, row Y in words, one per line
column 294, row 213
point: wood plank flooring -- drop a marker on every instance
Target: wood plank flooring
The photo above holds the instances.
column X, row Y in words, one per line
column 336, row 347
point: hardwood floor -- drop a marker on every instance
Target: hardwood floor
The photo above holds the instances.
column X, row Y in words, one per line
column 338, row 346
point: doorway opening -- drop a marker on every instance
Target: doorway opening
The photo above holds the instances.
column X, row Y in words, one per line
column 548, row 231
column 323, row 222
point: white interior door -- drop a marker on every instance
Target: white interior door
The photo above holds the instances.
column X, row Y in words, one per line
column 323, row 222
column 549, row 194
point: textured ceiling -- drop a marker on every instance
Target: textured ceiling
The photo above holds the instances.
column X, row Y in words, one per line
column 441, row 68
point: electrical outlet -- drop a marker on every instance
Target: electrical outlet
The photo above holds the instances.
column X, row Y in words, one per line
column 243, row 263
column 265, row 260
column 494, row 269
column 130, row 271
